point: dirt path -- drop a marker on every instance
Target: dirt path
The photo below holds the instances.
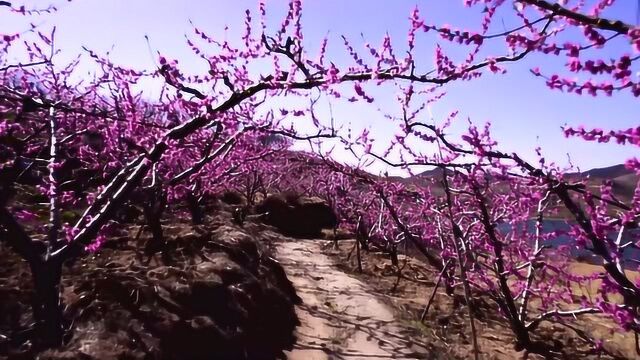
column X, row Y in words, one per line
column 340, row 318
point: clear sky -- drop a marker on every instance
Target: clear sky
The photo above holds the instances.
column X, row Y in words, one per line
column 523, row 112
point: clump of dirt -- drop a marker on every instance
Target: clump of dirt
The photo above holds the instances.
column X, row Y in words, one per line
column 297, row 216
column 223, row 297
column 233, row 198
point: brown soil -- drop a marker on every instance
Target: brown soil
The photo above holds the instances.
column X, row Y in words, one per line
column 223, row 297
column 446, row 325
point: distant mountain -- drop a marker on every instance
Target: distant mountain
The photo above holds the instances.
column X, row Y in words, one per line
column 625, row 185
column 424, row 178
column 624, row 181
column 435, row 172
column 604, row 173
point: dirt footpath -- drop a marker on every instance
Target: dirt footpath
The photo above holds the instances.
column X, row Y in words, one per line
column 341, row 318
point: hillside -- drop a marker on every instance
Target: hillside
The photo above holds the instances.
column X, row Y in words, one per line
column 216, row 292
column 609, row 172
column 602, row 174
column 623, row 180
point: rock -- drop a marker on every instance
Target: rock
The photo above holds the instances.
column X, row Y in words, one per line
column 297, row 216
column 232, row 198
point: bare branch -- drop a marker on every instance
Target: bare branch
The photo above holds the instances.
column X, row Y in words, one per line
column 599, row 23
column 433, row 259
column 536, row 252
column 16, row 237
column 22, row 66
column 458, row 243
column 225, row 147
column 54, row 206
column 108, row 191
column 559, row 313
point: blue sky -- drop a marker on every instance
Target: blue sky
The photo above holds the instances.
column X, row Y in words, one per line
column 524, row 113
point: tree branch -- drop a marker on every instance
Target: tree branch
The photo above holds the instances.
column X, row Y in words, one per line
column 431, row 258
column 54, row 203
column 16, row 237
column 562, row 313
column 599, row 23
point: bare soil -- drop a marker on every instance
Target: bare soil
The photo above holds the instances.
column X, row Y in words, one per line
column 446, row 326
column 222, row 297
column 341, row 318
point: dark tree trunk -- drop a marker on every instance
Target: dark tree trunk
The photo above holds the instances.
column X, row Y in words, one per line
column 448, row 280
column 358, row 255
column 197, row 216
column 362, row 235
column 394, row 256
column 154, row 207
column 157, row 234
column 47, row 304
column 240, row 214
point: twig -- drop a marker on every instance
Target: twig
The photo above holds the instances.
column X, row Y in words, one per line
column 224, row 148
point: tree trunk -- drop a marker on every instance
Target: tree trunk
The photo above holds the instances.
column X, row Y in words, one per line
column 362, row 234
column 394, row 256
column 358, row 255
column 197, row 217
column 153, row 209
column 47, row 304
